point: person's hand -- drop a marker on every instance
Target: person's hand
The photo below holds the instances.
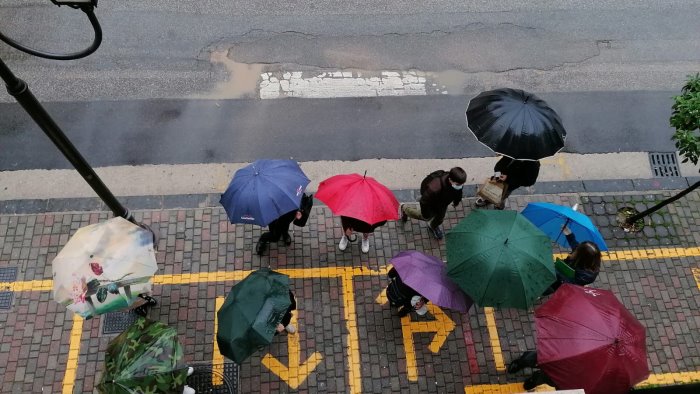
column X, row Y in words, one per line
column 503, row 177
column 279, row 328
column 566, row 230
column 299, row 215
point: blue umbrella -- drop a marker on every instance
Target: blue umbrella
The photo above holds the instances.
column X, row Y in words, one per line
column 263, row 191
column 550, row 218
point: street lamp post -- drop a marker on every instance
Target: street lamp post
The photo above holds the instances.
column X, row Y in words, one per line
column 19, row 89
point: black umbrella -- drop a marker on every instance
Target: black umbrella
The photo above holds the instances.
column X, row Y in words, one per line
column 516, row 124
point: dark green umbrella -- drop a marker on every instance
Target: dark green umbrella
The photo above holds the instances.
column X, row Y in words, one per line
column 500, row 259
column 146, row 358
column 249, row 317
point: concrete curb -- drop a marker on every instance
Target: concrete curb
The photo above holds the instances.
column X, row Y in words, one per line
column 188, row 201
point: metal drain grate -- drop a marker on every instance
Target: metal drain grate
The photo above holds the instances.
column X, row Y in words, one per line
column 664, row 164
column 208, row 378
column 5, row 300
column 117, row 322
column 8, row 274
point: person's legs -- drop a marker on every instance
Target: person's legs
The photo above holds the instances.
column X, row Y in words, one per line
column 510, row 189
column 264, row 239
column 435, row 223
column 538, row 377
column 527, row 359
column 413, row 213
column 365, row 242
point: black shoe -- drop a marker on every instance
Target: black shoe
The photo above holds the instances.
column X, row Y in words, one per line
column 260, row 248
column 515, row 366
column 404, row 217
column 535, row 380
column 480, row 202
column 287, row 239
column 437, row 232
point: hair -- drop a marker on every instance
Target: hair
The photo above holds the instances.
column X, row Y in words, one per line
column 586, row 256
column 458, row 175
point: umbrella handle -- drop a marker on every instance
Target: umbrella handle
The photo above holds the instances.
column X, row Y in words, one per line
column 566, row 223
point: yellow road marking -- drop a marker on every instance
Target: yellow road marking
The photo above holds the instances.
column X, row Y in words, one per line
column 495, row 341
column 353, row 347
column 512, row 388
column 73, row 352
column 217, row 359
column 442, row 326
column 696, row 275
column 296, row 373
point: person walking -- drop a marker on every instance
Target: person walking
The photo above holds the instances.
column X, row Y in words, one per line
column 352, row 225
column 437, row 191
column 584, row 260
column 279, row 228
column 515, row 174
column 285, row 324
column 402, row 296
column 529, row 360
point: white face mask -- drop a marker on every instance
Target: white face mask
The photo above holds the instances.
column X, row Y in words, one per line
column 457, row 187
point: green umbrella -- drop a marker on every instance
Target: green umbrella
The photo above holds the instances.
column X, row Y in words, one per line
column 500, row 259
column 146, row 358
column 249, row 317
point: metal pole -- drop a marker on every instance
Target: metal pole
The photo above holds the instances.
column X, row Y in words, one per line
column 18, row 89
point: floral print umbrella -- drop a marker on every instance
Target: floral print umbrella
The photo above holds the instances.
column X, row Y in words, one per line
column 104, row 267
column 146, row 358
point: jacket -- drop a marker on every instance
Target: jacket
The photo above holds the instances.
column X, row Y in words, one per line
column 519, row 172
column 438, row 193
column 582, row 276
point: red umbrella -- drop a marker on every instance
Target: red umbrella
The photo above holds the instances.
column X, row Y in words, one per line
column 586, row 339
column 359, row 197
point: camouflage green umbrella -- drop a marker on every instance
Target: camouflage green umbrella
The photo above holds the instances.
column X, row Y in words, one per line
column 251, row 312
column 146, row 358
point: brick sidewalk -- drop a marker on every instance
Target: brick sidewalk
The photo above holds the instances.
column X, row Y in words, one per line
column 361, row 344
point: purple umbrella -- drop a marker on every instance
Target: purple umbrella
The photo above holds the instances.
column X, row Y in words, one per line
column 428, row 276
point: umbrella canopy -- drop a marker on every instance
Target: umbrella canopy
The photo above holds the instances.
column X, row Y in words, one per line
column 146, row 358
column 499, row 259
column 428, row 276
column 550, row 218
column 359, row 197
column 516, row 124
column 586, row 339
column 104, row 267
column 263, row 191
column 250, row 314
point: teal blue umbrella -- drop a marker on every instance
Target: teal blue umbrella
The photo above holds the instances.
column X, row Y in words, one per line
column 551, row 218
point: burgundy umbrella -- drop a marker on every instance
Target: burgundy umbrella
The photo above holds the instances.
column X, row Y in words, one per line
column 428, row 276
column 586, row 339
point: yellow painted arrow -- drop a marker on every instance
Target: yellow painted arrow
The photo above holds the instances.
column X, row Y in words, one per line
column 442, row 326
column 296, row 373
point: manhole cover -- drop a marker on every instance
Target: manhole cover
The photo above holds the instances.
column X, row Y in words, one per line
column 664, row 164
column 214, row 378
column 8, row 274
column 117, row 322
column 5, row 299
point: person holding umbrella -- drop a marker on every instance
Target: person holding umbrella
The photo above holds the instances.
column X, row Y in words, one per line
column 285, row 324
column 362, row 203
column 515, row 174
column 402, row 296
column 581, row 267
column 437, row 191
column 279, row 228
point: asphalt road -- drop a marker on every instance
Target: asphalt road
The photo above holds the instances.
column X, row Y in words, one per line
column 139, row 132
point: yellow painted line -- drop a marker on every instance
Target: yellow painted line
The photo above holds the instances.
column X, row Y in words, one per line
column 353, row 347
column 223, row 276
column 507, row 388
column 73, row 352
column 671, row 378
column 696, row 275
column 296, row 372
column 655, row 379
column 442, row 326
column 217, row 359
column 495, row 341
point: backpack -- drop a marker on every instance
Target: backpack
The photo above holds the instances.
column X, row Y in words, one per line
column 429, row 178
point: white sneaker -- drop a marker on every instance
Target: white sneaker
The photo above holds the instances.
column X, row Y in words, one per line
column 188, row 390
column 343, row 243
column 190, row 371
column 291, row 329
column 365, row 245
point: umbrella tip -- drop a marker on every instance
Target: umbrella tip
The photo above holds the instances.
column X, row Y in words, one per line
column 505, row 242
column 364, row 176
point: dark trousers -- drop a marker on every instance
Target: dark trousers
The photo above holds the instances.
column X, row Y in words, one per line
column 538, row 377
column 434, row 216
